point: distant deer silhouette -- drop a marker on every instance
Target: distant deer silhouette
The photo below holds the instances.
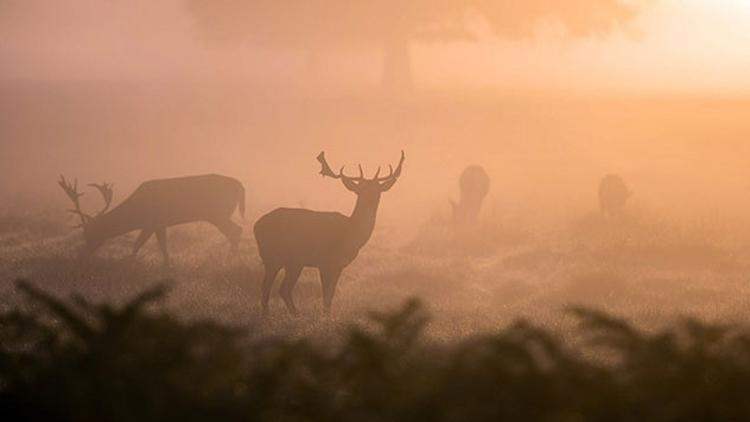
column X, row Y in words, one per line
column 293, row 239
column 158, row 204
column 474, row 184
column 613, row 195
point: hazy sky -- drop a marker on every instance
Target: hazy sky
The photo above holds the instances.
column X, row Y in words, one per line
column 680, row 45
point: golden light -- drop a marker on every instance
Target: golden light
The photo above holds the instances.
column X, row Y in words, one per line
column 731, row 5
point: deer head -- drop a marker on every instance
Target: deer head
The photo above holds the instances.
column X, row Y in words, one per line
column 368, row 193
column 361, row 186
column 87, row 221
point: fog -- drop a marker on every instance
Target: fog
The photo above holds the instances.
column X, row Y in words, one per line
column 670, row 45
column 602, row 277
column 545, row 155
column 127, row 92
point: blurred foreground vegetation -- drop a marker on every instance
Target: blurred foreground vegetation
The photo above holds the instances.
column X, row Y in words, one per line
column 80, row 361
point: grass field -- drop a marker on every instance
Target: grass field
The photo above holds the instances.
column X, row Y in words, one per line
column 541, row 245
column 471, row 281
column 679, row 257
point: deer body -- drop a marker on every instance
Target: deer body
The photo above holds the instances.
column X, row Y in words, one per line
column 613, row 195
column 475, row 184
column 158, row 204
column 293, row 238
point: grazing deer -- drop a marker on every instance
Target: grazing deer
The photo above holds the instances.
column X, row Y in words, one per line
column 475, row 184
column 293, row 238
column 613, row 195
column 158, row 204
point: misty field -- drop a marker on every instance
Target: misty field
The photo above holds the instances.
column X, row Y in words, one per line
column 541, row 245
column 505, row 326
column 533, row 273
column 543, row 210
column 471, row 280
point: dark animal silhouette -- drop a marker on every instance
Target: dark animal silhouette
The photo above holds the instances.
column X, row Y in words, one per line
column 613, row 195
column 293, row 238
column 474, row 184
column 158, row 204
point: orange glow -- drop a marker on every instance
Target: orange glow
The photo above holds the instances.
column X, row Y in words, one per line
column 674, row 46
column 554, row 150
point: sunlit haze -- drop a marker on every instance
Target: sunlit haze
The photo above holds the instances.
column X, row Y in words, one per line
column 378, row 210
column 673, row 46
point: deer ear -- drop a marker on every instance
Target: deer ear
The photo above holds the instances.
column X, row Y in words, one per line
column 350, row 184
column 388, row 184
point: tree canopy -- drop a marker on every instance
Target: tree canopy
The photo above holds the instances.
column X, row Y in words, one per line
column 295, row 23
column 393, row 24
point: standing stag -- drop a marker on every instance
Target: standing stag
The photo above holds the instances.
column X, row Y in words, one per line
column 158, row 204
column 613, row 194
column 474, row 184
column 293, row 238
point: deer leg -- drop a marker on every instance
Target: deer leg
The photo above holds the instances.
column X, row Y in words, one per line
column 291, row 275
column 604, row 209
column 329, row 278
column 142, row 239
column 232, row 232
column 268, row 278
column 161, row 237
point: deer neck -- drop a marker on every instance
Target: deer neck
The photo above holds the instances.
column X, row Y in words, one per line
column 114, row 223
column 363, row 220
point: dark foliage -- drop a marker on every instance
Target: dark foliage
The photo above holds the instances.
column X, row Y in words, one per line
column 79, row 361
column 87, row 362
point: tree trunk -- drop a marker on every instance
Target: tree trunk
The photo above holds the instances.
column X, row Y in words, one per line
column 397, row 73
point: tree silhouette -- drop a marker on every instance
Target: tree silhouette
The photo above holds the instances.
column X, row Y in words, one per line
column 314, row 25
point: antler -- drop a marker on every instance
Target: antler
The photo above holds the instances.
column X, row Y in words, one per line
column 72, row 191
column 392, row 174
column 105, row 189
column 325, row 169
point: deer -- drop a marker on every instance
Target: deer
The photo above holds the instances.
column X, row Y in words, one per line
column 295, row 238
column 158, row 204
column 613, row 195
column 475, row 184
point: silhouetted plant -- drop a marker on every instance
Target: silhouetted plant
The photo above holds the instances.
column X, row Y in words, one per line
column 74, row 360
column 81, row 361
